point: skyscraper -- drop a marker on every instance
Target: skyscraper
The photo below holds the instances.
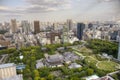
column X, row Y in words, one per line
column 36, row 27
column 80, row 28
column 69, row 24
column 119, row 51
column 26, row 27
column 119, row 46
column 13, row 26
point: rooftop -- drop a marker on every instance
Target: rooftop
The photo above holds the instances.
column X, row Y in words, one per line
column 7, row 65
column 74, row 65
column 55, row 58
column 39, row 64
column 105, row 78
column 93, row 77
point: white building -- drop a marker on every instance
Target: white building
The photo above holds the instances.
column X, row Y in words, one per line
column 74, row 65
column 8, row 72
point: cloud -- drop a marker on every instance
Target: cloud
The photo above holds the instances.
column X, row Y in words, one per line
column 38, row 6
column 79, row 7
column 13, row 15
column 10, row 12
column 48, row 5
column 3, row 8
column 95, row 4
column 99, row 9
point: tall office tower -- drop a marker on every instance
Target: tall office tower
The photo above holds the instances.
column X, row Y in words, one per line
column 119, row 51
column 80, row 28
column 64, row 35
column 54, row 25
column 70, row 24
column 13, row 26
column 119, row 46
column 94, row 31
column 25, row 27
column 36, row 27
column 7, row 71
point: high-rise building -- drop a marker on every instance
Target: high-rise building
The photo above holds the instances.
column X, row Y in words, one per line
column 80, row 28
column 119, row 46
column 119, row 51
column 13, row 26
column 36, row 27
column 25, row 26
column 64, row 35
column 54, row 25
column 69, row 24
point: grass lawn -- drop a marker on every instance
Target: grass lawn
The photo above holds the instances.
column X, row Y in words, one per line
column 83, row 50
column 79, row 54
column 107, row 65
column 91, row 60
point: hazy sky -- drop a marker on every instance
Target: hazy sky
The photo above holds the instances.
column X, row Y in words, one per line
column 60, row 10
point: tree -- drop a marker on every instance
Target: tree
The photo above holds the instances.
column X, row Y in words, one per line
column 58, row 78
column 27, row 73
column 100, row 46
column 77, row 42
column 50, row 77
column 42, row 79
column 90, row 71
column 36, row 73
column 44, row 72
column 74, row 78
column 82, row 74
column 37, row 78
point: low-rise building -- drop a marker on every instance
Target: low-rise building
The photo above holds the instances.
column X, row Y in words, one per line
column 8, row 72
column 70, row 56
column 57, row 60
column 105, row 78
column 40, row 64
column 54, row 60
column 92, row 77
column 74, row 65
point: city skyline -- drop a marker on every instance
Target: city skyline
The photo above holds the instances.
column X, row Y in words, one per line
column 59, row 40
column 54, row 10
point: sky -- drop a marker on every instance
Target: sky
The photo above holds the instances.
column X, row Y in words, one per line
column 60, row 10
